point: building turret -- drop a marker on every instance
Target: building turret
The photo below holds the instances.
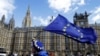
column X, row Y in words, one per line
column 3, row 19
column 27, row 20
column 11, row 23
column 75, row 16
column 81, row 19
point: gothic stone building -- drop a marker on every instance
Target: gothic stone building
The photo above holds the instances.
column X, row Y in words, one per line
column 18, row 39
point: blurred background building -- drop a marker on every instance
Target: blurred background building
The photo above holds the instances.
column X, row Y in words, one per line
column 18, row 40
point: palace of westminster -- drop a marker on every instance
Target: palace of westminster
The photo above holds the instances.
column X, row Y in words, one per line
column 18, row 39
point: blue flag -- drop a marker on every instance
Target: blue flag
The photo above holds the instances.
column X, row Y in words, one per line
column 62, row 26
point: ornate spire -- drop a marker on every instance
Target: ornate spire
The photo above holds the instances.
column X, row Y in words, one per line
column 28, row 10
column 12, row 23
column 27, row 20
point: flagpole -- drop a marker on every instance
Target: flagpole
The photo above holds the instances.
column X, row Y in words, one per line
column 38, row 33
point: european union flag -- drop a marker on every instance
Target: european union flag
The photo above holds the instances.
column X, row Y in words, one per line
column 62, row 26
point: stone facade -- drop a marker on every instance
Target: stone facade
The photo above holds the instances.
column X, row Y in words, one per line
column 6, row 33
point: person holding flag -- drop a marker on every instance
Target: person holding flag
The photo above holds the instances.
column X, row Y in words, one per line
column 38, row 48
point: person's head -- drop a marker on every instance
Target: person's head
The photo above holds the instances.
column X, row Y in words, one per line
column 37, row 46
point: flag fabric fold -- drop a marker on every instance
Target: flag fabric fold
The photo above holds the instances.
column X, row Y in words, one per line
column 62, row 26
